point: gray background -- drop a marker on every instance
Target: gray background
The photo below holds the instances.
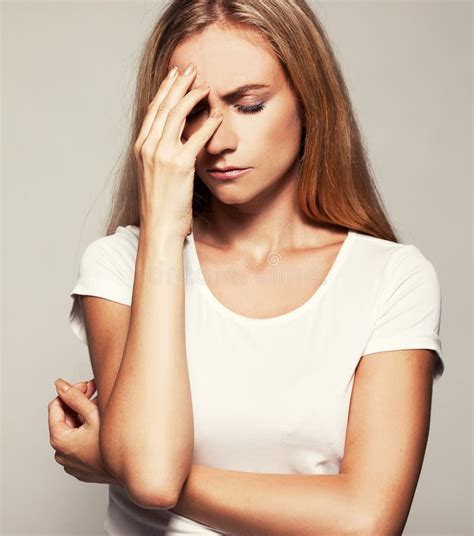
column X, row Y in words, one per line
column 68, row 70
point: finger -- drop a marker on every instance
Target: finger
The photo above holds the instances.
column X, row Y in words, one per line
column 78, row 401
column 56, row 418
column 197, row 141
column 163, row 90
column 87, row 389
column 70, row 416
column 82, row 386
column 174, row 125
column 174, row 96
column 91, row 387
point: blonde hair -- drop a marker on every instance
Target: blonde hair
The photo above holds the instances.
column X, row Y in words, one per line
column 335, row 182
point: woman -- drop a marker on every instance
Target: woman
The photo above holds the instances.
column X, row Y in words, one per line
column 266, row 404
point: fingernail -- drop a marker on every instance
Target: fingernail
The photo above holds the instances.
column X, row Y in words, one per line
column 189, row 69
column 173, row 72
column 61, row 385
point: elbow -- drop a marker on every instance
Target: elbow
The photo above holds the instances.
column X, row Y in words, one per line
column 148, row 491
column 152, row 496
column 387, row 527
column 362, row 524
column 145, row 491
column 358, row 520
column 360, row 516
column 145, row 494
column 371, row 530
column 375, row 520
column 357, row 529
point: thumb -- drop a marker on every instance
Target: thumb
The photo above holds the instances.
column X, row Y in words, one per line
column 75, row 399
column 88, row 387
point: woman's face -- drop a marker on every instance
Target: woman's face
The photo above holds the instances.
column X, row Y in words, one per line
column 260, row 128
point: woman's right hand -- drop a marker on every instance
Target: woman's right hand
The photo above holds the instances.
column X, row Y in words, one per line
column 166, row 165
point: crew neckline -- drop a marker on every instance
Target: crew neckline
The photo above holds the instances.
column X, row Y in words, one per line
column 314, row 298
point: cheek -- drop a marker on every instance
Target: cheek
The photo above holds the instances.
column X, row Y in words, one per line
column 280, row 138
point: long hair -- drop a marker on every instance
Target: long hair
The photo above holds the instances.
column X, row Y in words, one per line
column 335, row 182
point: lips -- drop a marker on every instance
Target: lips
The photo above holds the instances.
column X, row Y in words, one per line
column 228, row 168
column 232, row 173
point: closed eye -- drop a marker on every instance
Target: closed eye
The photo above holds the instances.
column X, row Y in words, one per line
column 255, row 108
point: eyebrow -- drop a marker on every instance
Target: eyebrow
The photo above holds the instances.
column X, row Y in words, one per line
column 239, row 91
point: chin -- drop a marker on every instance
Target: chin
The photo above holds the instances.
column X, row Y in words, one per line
column 230, row 198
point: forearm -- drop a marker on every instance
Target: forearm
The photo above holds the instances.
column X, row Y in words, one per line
column 147, row 434
column 259, row 504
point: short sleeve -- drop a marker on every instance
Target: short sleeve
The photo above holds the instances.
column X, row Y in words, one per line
column 107, row 270
column 409, row 307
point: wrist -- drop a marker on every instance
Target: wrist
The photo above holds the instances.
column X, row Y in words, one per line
column 163, row 234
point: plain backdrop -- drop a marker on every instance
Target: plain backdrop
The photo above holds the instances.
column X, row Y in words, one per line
column 68, row 72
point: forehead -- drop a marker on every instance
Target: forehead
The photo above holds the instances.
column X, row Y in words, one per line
column 228, row 59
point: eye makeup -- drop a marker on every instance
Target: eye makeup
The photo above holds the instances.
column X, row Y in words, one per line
column 255, row 108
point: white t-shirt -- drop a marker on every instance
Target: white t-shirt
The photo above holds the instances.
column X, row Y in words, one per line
column 272, row 395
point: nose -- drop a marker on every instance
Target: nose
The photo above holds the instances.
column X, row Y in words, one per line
column 223, row 138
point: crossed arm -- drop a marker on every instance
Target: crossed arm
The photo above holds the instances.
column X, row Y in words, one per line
column 257, row 504
column 385, row 443
column 386, row 439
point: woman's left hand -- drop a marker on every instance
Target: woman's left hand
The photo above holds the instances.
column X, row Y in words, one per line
column 74, row 426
